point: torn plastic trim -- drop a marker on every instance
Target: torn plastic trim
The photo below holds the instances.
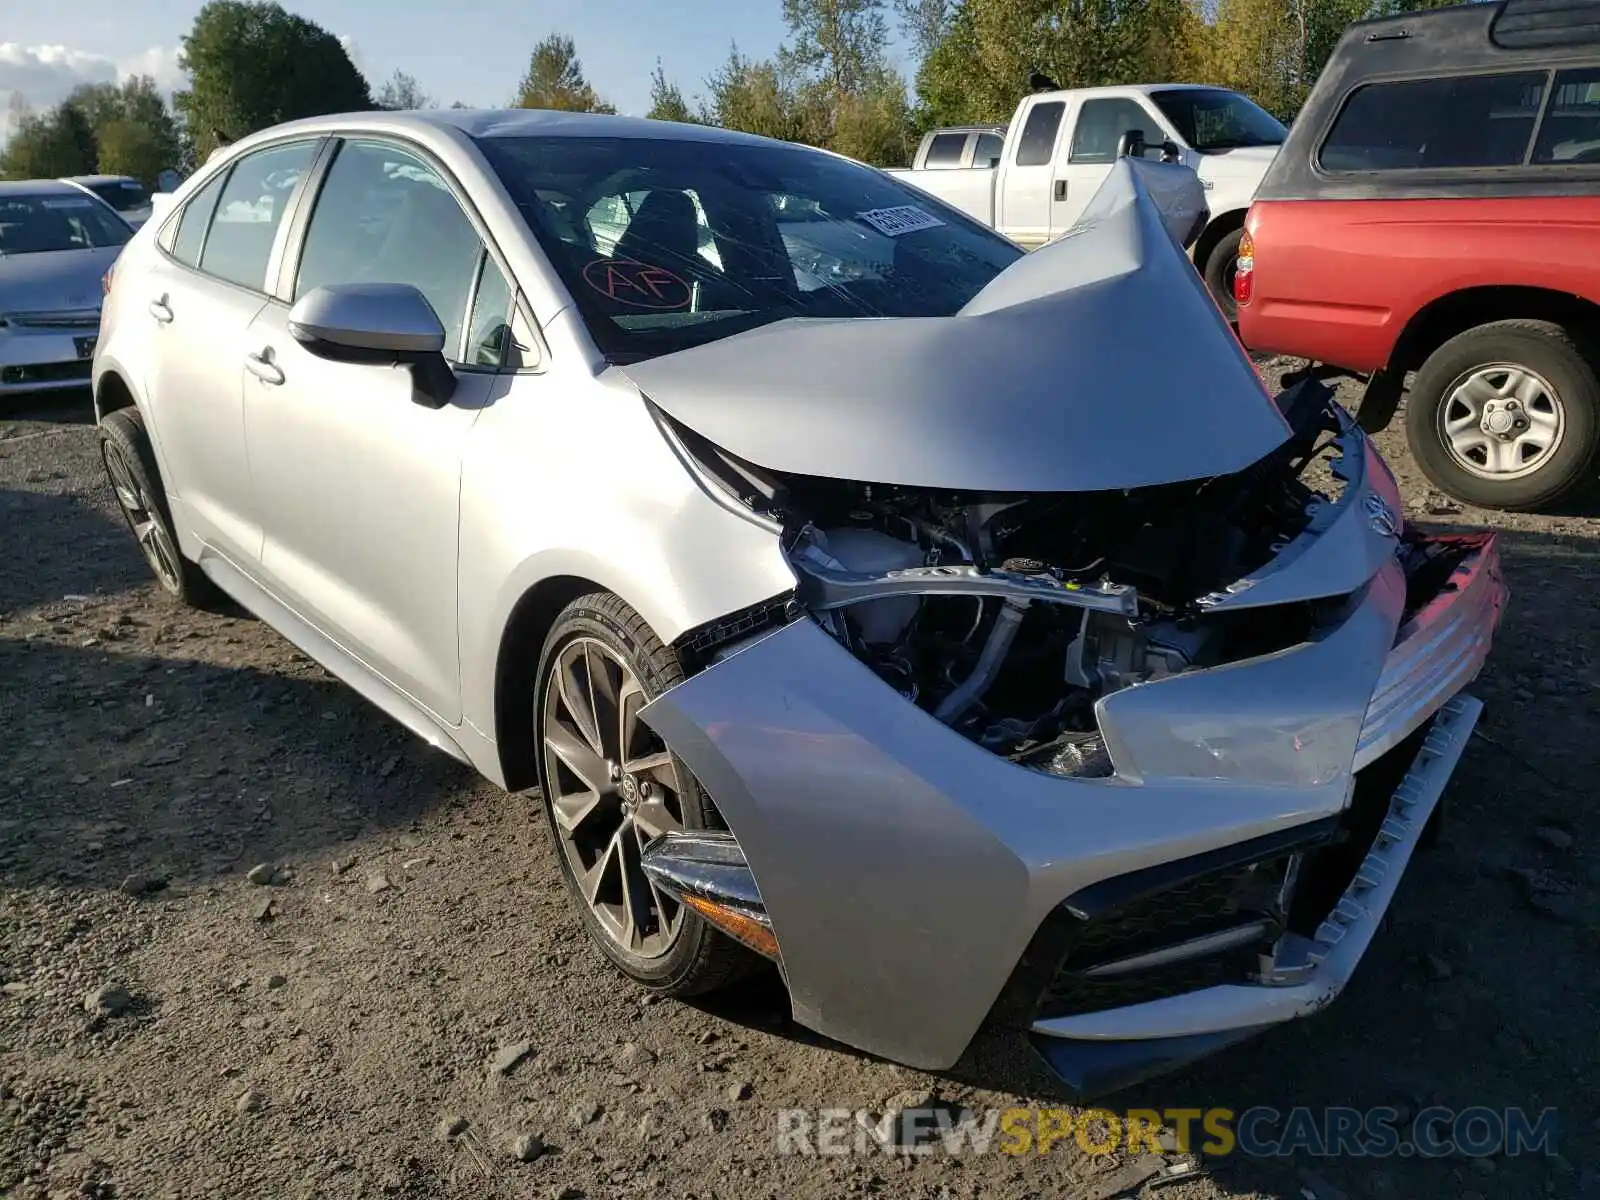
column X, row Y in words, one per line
column 1306, row 974
column 1345, row 541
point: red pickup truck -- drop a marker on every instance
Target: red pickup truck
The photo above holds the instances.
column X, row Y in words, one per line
column 1433, row 223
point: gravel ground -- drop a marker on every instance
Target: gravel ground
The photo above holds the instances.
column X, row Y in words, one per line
column 400, row 993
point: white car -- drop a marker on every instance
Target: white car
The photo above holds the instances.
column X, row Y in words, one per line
column 1033, row 181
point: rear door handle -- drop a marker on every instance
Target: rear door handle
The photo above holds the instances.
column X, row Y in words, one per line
column 263, row 368
column 161, row 310
column 1061, row 189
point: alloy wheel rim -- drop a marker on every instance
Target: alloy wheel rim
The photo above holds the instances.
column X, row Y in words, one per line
column 141, row 516
column 613, row 789
column 1501, row 421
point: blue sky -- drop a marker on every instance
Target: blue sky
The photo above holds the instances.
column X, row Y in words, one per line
column 473, row 50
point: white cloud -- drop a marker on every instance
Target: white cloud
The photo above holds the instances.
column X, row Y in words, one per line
column 353, row 50
column 43, row 75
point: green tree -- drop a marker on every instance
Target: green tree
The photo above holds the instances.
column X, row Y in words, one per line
column 251, row 64
column 845, row 94
column 555, row 79
column 55, row 143
column 135, row 132
column 401, row 91
column 979, row 67
column 755, row 97
column 666, row 99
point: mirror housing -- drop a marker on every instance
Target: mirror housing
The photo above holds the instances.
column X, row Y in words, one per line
column 1133, row 145
column 377, row 323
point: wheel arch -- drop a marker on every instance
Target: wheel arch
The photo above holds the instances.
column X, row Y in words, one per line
column 517, row 668
column 111, row 393
column 1219, row 227
column 1456, row 312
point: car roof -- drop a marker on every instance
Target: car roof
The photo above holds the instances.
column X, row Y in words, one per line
column 507, row 122
column 37, row 187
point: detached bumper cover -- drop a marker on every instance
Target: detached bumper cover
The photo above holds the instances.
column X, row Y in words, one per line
column 906, row 870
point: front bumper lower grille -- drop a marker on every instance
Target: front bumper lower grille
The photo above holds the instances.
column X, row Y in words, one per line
column 25, row 375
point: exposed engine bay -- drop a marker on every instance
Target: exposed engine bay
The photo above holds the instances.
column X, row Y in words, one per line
column 1007, row 616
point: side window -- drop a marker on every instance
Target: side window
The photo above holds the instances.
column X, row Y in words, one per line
column 1571, row 129
column 385, row 216
column 1101, row 124
column 945, row 150
column 990, row 147
column 193, row 221
column 1038, row 141
column 489, row 330
column 249, row 211
column 1457, row 121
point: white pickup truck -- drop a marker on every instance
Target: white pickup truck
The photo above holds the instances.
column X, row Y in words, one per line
column 1032, row 180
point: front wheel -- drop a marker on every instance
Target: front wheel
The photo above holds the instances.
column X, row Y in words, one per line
column 611, row 785
column 1220, row 267
column 1507, row 415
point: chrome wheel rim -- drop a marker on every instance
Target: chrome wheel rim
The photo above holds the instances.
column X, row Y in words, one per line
column 1501, row 421
column 143, row 518
column 613, row 788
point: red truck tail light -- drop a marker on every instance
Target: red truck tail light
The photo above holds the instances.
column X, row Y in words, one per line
column 1244, row 274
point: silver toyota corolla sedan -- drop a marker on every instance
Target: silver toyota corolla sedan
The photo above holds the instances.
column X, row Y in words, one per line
column 967, row 632
column 56, row 245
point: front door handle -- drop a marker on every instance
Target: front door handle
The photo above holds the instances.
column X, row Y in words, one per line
column 161, row 310
column 1061, row 189
column 263, row 368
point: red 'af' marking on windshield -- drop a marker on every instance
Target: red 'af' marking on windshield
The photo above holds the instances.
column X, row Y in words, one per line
column 637, row 284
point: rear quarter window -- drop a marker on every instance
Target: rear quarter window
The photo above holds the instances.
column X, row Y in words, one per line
column 1570, row 131
column 1446, row 122
column 945, row 150
column 1037, row 144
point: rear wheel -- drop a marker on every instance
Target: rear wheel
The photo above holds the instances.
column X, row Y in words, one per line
column 130, row 465
column 1507, row 415
column 611, row 785
column 1221, row 265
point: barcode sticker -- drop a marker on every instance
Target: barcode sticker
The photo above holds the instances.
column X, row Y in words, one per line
column 896, row 222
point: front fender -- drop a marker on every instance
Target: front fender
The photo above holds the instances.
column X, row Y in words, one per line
column 604, row 499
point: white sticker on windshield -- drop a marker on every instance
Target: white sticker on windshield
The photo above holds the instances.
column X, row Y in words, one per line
column 68, row 202
column 895, row 222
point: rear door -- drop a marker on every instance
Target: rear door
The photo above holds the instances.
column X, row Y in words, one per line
column 1024, row 196
column 1090, row 151
column 200, row 297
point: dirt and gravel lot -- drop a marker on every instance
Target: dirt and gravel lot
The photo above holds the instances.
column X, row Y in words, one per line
column 404, row 994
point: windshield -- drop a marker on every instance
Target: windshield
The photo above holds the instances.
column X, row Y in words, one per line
column 34, row 224
column 124, row 195
column 670, row 244
column 1213, row 119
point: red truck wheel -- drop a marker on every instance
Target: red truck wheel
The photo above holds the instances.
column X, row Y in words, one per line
column 1505, row 415
column 1219, row 268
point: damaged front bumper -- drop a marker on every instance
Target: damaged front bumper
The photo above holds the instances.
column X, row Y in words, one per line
column 1227, row 877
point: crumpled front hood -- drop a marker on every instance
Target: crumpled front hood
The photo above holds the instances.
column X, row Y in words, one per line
column 54, row 281
column 1099, row 362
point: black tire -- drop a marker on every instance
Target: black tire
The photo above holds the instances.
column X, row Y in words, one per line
column 699, row 958
column 125, row 451
column 1561, row 358
column 1219, row 269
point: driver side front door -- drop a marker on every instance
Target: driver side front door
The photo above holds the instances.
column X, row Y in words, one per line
column 357, row 484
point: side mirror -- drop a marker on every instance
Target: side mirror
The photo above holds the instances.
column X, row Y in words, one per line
column 377, row 323
column 1132, row 145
